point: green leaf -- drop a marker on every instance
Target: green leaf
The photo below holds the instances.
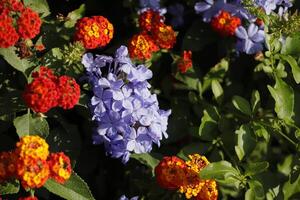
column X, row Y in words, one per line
column 217, row 89
column 286, row 166
column 199, row 148
column 217, row 72
column 291, row 187
column 74, row 16
column 9, row 54
column 40, row 6
column 219, row 171
column 255, row 101
column 255, row 192
column 294, row 65
column 256, row 168
column 11, row 187
column 283, row 95
column 261, row 131
column 245, row 141
column 31, row 125
column 292, row 46
column 74, row 189
column 209, row 124
column 190, row 79
column 149, row 159
column 242, row 105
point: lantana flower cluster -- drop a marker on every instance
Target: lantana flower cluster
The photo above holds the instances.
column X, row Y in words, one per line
column 17, row 21
column 126, row 113
column 174, row 173
column 47, row 91
column 154, row 35
column 31, row 163
column 94, row 32
column 232, row 19
column 185, row 62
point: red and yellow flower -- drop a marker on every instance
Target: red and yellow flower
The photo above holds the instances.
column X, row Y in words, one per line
column 174, row 173
column 164, row 35
column 32, row 172
column 32, row 146
column 94, row 32
column 170, row 173
column 148, row 18
column 141, row 47
column 60, row 167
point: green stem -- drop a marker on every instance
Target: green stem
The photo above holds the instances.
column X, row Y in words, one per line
column 279, row 132
column 220, row 142
column 32, row 192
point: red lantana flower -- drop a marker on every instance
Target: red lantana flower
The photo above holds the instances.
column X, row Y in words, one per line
column 69, row 92
column 94, row 31
column 225, row 24
column 185, row 62
column 148, row 18
column 29, row 24
column 164, row 35
column 60, row 167
column 141, row 47
column 8, row 34
column 170, row 172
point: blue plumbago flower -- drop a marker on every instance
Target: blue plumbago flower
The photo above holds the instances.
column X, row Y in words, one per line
column 209, row 8
column 151, row 4
column 126, row 113
column 177, row 11
column 251, row 40
column 271, row 5
column 236, row 9
column 284, row 5
column 123, row 197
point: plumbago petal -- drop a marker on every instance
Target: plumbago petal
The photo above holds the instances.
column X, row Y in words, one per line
column 201, row 7
column 241, row 33
column 252, row 30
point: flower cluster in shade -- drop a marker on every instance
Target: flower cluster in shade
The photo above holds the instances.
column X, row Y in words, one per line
column 93, row 32
column 31, row 163
column 173, row 173
column 17, row 22
column 154, row 35
column 232, row 19
column 47, row 91
column 125, row 111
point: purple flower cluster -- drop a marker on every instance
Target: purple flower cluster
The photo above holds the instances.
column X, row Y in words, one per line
column 272, row 5
column 252, row 40
column 153, row 5
column 123, row 197
column 127, row 114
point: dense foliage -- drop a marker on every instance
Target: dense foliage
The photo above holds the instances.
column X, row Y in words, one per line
column 149, row 99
